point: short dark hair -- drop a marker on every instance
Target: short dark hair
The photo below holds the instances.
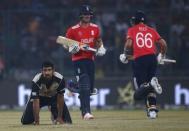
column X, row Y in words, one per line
column 47, row 64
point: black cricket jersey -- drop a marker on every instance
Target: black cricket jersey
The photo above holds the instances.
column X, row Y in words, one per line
column 50, row 88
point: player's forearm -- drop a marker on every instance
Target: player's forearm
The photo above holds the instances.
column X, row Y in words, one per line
column 36, row 110
column 163, row 46
column 60, row 104
column 128, row 47
column 99, row 43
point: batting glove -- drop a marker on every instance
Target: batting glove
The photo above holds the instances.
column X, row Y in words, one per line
column 123, row 58
column 101, row 51
column 74, row 48
column 160, row 58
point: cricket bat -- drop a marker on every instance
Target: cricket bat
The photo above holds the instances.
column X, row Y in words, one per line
column 66, row 42
column 168, row 60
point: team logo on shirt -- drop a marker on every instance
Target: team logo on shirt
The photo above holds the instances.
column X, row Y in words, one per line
column 89, row 40
column 48, row 91
column 92, row 32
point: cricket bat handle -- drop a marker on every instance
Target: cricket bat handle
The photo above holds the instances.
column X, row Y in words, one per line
column 88, row 48
column 92, row 49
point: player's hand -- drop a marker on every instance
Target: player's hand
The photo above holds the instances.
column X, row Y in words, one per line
column 123, row 58
column 101, row 51
column 74, row 48
column 160, row 58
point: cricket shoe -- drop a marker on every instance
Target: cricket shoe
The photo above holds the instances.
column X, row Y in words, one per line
column 88, row 116
column 152, row 112
column 155, row 84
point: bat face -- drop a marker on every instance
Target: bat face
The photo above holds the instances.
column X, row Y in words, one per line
column 66, row 41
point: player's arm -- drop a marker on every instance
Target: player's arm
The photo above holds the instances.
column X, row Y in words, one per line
column 36, row 110
column 60, row 106
column 127, row 52
column 98, row 43
column 60, row 100
column 163, row 50
column 100, row 47
column 36, row 102
column 163, row 46
column 128, row 49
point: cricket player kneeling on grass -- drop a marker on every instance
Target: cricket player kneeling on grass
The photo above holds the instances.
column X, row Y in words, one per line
column 47, row 90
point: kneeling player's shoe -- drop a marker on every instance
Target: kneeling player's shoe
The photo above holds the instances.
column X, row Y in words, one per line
column 155, row 84
column 72, row 86
column 88, row 116
column 94, row 92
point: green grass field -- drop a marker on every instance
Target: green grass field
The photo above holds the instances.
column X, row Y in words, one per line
column 104, row 121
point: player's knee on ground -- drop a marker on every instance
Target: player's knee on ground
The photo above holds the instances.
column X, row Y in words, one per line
column 27, row 117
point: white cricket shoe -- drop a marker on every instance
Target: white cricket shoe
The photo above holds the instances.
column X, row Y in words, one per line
column 156, row 85
column 88, row 116
column 152, row 114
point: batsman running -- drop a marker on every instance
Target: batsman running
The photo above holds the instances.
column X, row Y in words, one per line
column 83, row 60
column 141, row 43
column 47, row 90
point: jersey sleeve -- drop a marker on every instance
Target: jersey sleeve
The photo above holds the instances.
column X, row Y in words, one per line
column 35, row 91
column 98, row 33
column 129, row 34
column 69, row 33
column 156, row 36
column 61, row 88
column 35, row 87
